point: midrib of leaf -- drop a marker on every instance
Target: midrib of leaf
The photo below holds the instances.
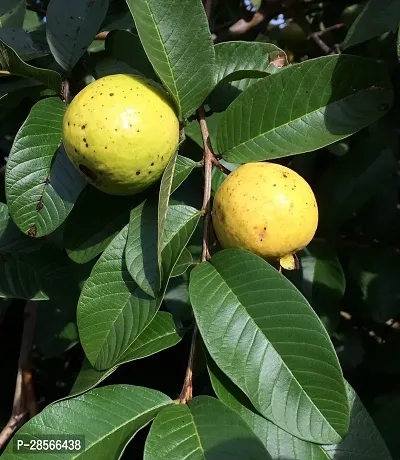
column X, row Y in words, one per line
column 166, row 54
column 271, row 345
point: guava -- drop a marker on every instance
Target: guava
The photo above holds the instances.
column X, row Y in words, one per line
column 120, row 132
column 267, row 209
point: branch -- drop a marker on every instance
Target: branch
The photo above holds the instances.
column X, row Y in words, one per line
column 316, row 36
column 209, row 159
column 24, row 403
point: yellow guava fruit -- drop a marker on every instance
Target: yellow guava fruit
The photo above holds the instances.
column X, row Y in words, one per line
column 267, row 209
column 119, row 132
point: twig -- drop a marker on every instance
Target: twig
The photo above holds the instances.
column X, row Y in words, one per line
column 219, row 166
column 65, row 91
column 24, row 403
column 316, row 36
column 209, row 159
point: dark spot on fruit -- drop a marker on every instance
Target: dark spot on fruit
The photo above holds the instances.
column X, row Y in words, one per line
column 274, row 185
column 149, row 172
column 284, row 175
column 101, row 94
column 87, row 145
column 84, row 139
column 92, row 97
column 68, row 123
column 137, row 173
column 261, row 235
column 162, row 158
column 88, row 173
column 76, row 150
column 105, row 148
column 152, row 164
column 138, row 131
column 115, row 129
column 83, row 126
column 111, row 94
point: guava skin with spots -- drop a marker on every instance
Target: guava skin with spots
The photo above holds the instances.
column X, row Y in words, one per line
column 120, row 132
column 265, row 208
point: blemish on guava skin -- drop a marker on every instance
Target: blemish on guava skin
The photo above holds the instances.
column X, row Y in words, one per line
column 152, row 164
column 111, row 94
column 284, row 175
column 88, row 173
column 83, row 126
column 137, row 173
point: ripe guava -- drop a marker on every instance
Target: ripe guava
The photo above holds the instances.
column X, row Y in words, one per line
column 120, row 132
column 265, row 208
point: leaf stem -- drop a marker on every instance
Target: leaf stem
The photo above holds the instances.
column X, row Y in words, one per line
column 24, row 403
column 208, row 159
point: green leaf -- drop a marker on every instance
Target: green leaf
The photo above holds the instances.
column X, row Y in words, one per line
column 113, row 310
column 192, row 130
column 141, row 247
column 177, row 41
column 128, row 409
column 163, row 200
column 304, row 107
column 376, row 271
column 322, row 282
column 12, row 13
column 348, row 185
column 42, row 185
column 12, row 64
column 177, row 301
column 205, row 429
column 95, row 220
column 236, row 60
column 22, row 43
column 183, row 167
column 363, row 441
column 29, row 269
column 71, row 27
column 265, row 336
column 377, row 17
column 280, row 444
column 184, row 262
column 88, row 378
column 160, row 334
column 127, row 48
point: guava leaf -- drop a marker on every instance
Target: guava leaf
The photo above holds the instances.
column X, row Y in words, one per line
column 183, row 167
column 304, row 107
column 42, row 185
column 30, row 268
column 12, row 13
column 95, row 220
column 126, row 47
column 280, row 444
column 71, row 27
column 177, row 41
column 363, row 441
column 129, row 408
column 113, row 310
column 267, row 339
column 160, row 334
column 236, row 60
column 184, row 262
column 12, row 64
column 377, row 17
column 203, row 429
column 21, row 42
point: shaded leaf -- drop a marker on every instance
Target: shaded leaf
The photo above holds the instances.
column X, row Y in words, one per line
column 345, row 187
column 41, row 183
column 113, row 310
column 71, row 26
column 177, row 41
column 126, row 47
column 304, row 107
column 183, row 167
column 12, row 64
column 95, row 220
column 265, row 336
column 205, row 429
column 12, row 13
column 128, row 410
column 21, row 42
column 377, row 17
column 177, row 301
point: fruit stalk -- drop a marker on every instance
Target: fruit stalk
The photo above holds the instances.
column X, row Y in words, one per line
column 208, row 160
